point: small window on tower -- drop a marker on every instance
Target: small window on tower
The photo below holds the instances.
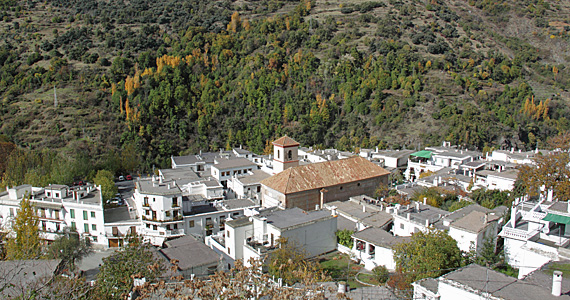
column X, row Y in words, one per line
column 278, row 153
column 290, row 155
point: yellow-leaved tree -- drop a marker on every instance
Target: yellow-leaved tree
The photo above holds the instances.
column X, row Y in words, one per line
column 24, row 239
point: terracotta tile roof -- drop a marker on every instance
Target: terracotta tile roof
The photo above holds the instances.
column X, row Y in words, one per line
column 285, row 142
column 319, row 175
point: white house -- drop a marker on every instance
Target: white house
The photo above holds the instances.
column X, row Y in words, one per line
column 497, row 180
column 537, row 232
column 247, row 185
column 415, row 218
column 255, row 236
column 433, row 159
column 159, row 204
column 209, row 218
column 472, row 230
column 475, row 282
column 373, row 246
column 224, row 168
column 59, row 206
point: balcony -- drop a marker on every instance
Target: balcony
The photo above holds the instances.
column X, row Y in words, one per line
column 518, row 234
column 171, row 219
column 167, row 233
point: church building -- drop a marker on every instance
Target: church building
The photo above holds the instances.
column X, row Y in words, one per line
column 310, row 186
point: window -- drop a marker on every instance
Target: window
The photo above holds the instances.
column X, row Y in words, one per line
column 259, row 189
column 168, row 227
column 147, row 225
column 229, row 250
column 72, row 213
column 341, row 188
column 290, row 155
column 175, row 226
column 191, row 223
column 86, row 227
column 11, row 212
column 94, row 227
column 402, row 226
column 48, row 194
column 85, row 215
column 278, row 153
column 92, row 214
column 228, row 233
column 94, row 239
column 358, row 184
column 174, row 202
column 235, row 214
column 57, row 195
column 73, row 227
column 154, row 227
column 167, row 214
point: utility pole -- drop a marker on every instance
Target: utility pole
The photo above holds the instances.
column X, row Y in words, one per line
column 54, row 97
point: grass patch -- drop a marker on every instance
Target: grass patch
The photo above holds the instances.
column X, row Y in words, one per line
column 564, row 267
column 339, row 267
column 368, row 278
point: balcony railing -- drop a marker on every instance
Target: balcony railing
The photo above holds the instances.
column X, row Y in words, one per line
column 518, row 234
column 172, row 219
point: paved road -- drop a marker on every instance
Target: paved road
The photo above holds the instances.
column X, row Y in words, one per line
column 126, row 189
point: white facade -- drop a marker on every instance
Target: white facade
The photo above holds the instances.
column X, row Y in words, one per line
column 224, row 169
column 531, row 239
column 159, row 203
column 373, row 246
column 57, row 207
column 257, row 235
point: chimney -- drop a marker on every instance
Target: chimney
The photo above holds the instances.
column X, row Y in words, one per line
column 427, row 222
column 317, row 207
column 159, row 180
column 425, row 200
column 435, row 181
column 153, row 178
column 418, row 206
column 408, row 216
column 333, row 211
column 341, row 287
column 513, row 150
column 173, row 183
column 486, row 220
column 557, row 283
column 514, row 217
column 323, row 191
column 363, row 208
column 549, row 195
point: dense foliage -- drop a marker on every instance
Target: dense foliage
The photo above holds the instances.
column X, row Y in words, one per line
column 427, row 254
column 173, row 77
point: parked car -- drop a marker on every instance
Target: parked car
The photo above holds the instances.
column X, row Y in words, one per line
column 121, row 178
column 129, row 177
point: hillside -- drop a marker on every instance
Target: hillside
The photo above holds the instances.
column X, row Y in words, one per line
column 178, row 76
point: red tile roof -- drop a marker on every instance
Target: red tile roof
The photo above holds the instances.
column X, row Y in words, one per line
column 324, row 174
column 285, row 142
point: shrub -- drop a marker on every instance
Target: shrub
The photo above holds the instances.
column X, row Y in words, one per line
column 381, row 274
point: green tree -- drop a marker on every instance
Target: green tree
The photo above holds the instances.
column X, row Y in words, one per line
column 344, row 237
column 69, row 247
column 427, row 254
column 289, row 262
column 105, row 179
column 115, row 278
column 25, row 242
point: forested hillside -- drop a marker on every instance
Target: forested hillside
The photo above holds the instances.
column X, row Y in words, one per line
column 174, row 77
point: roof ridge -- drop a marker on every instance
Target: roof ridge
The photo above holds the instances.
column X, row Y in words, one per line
column 288, row 179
